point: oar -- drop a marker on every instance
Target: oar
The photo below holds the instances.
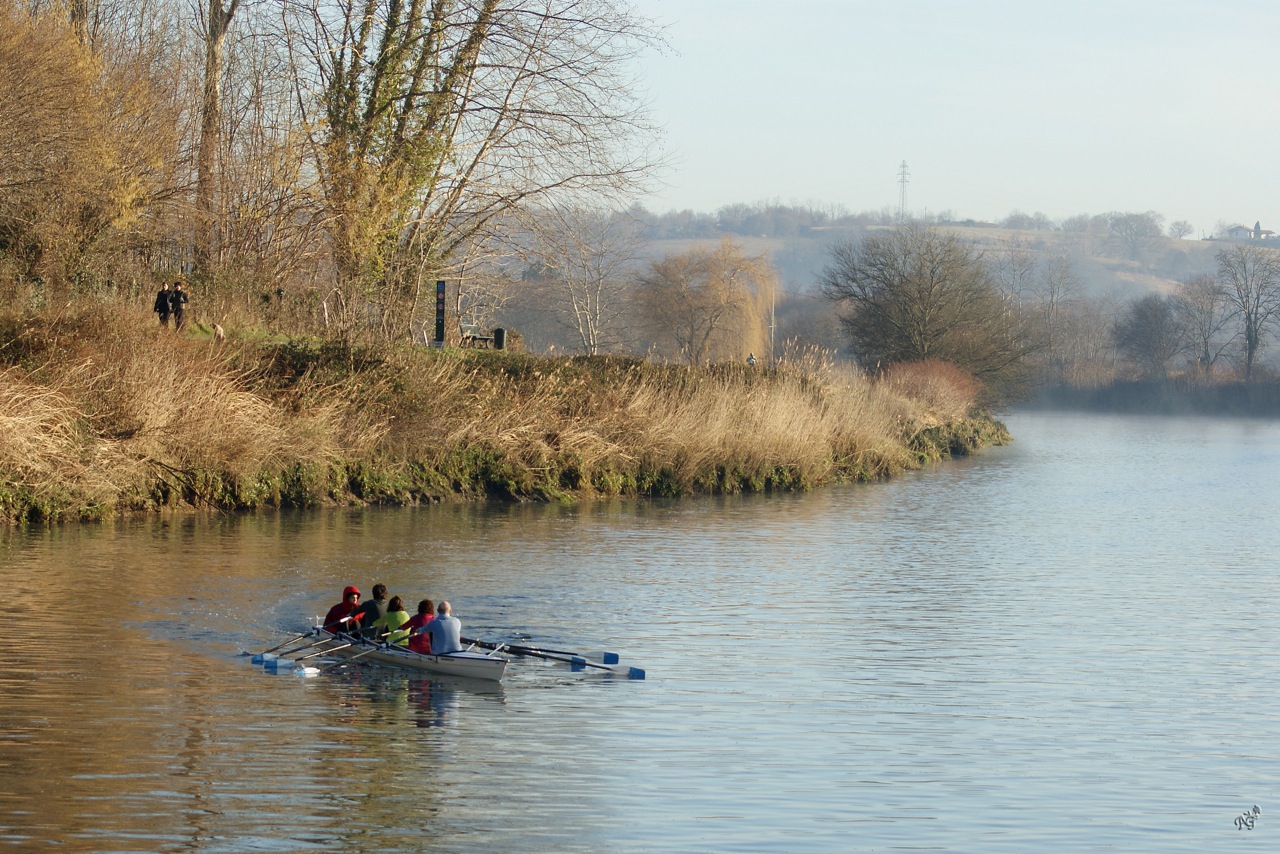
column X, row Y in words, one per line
column 324, row 633
column 322, row 652
column 276, row 665
column 268, row 655
column 575, row 661
column 303, row 671
column 257, row 658
column 606, row 657
column 324, row 637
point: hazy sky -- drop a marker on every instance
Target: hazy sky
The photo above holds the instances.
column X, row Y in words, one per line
column 1078, row 106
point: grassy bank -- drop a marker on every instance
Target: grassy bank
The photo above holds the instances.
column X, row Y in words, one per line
column 102, row 413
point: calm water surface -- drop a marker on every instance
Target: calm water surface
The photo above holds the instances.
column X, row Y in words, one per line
column 1063, row 645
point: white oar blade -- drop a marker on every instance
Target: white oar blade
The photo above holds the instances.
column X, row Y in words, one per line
column 307, row 671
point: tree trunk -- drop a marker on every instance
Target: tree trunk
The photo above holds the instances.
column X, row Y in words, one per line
column 215, row 36
column 80, row 20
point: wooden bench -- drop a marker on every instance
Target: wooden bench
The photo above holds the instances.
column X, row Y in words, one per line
column 473, row 336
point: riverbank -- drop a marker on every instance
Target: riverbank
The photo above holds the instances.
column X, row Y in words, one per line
column 103, row 413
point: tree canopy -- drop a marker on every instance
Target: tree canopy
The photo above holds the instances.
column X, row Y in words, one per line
column 912, row 294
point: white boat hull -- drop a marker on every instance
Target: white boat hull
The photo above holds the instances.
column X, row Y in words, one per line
column 473, row 665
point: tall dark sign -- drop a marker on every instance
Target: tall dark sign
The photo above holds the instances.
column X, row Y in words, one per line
column 439, row 314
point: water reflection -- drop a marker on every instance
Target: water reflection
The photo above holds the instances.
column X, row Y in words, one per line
column 992, row 655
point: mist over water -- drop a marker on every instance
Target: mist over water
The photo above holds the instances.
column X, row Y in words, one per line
column 1059, row 645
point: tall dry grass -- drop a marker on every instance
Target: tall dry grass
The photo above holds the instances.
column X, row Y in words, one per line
column 102, row 410
column 945, row 391
column 45, row 451
column 108, row 411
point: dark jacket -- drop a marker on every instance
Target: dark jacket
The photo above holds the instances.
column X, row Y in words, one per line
column 371, row 611
column 162, row 302
column 177, row 299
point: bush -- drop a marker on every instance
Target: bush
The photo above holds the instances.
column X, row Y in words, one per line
column 945, row 390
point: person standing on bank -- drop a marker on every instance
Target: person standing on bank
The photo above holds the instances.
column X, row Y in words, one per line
column 445, row 631
column 161, row 306
column 177, row 301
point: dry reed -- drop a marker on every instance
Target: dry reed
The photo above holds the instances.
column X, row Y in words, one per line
column 112, row 411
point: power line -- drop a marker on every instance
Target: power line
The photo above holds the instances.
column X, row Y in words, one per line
column 903, row 180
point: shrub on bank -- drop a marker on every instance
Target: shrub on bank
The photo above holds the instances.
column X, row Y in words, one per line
column 101, row 416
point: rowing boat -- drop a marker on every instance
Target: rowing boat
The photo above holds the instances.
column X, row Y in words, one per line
column 480, row 660
column 475, row 665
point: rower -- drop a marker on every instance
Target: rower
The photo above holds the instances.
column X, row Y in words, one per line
column 341, row 616
column 373, row 610
column 419, row 638
column 445, row 631
column 389, row 626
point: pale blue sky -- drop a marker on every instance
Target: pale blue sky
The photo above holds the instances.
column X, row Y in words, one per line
column 1080, row 106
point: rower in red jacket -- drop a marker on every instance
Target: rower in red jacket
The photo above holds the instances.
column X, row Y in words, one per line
column 342, row 617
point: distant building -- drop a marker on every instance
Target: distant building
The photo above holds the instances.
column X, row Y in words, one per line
column 1243, row 232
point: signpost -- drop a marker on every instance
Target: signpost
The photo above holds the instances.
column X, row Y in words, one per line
column 440, row 314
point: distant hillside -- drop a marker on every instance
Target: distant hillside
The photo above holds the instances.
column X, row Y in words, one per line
column 1100, row 264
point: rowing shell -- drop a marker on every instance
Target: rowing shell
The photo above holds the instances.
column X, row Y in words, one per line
column 475, row 665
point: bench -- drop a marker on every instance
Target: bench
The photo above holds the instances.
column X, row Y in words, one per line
column 473, row 336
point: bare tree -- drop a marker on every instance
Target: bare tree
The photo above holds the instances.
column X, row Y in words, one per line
column 1250, row 275
column 429, row 120
column 916, row 293
column 80, row 14
column 1180, row 228
column 215, row 19
column 83, row 140
column 1150, row 335
column 1205, row 313
column 266, row 247
column 589, row 256
column 1136, row 230
column 1086, row 346
column 706, row 306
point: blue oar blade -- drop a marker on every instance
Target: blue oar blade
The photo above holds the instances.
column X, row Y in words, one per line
column 280, row 665
column 635, row 673
column 609, row 657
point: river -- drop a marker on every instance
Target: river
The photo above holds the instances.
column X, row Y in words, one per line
column 1062, row 645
